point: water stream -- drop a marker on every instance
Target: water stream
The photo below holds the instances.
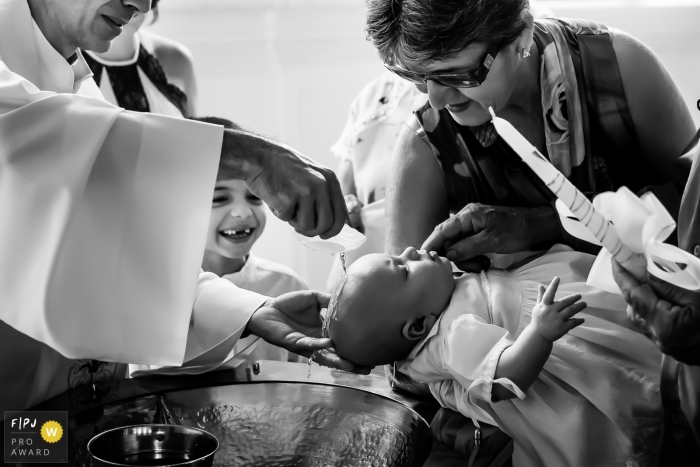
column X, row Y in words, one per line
column 327, row 318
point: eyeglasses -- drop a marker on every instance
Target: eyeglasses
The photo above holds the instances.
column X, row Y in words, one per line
column 466, row 79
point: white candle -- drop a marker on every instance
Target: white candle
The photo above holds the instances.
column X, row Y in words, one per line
column 576, row 201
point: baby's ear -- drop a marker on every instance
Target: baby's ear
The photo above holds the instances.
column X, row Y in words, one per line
column 417, row 329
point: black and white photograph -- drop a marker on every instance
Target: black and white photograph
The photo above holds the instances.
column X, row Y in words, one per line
column 352, row 233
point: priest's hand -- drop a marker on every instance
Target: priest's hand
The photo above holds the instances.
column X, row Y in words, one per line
column 478, row 229
column 667, row 314
column 297, row 189
column 293, row 321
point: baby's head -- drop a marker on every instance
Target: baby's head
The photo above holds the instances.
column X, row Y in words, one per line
column 237, row 216
column 388, row 304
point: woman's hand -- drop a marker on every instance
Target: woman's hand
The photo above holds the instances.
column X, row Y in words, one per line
column 293, row 321
column 668, row 315
column 478, row 229
column 550, row 319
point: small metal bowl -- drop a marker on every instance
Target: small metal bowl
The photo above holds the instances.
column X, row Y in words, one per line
column 153, row 445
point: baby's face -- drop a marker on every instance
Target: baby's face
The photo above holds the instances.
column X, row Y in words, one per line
column 388, row 304
column 237, row 219
column 414, row 280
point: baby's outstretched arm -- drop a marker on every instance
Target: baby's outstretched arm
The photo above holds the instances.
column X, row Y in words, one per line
column 522, row 362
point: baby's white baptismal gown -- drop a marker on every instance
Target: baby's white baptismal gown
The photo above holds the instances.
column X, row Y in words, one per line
column 595, row 403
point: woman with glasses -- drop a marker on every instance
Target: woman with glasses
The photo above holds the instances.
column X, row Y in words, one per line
column 594, row 100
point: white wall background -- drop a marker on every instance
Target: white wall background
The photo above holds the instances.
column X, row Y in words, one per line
column 289, row 69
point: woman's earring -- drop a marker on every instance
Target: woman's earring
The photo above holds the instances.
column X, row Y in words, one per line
column 524, row 53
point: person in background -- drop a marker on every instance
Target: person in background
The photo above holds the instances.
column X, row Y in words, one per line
column 670, row 316
column 145, row 72
column 594, row 100
column 237, row 220
column 374, row 121
column 365, row 147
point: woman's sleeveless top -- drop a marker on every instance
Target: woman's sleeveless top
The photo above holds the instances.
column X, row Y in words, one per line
column 128, row 86
column 589, row 130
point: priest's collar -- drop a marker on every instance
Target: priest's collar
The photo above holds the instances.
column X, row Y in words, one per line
column 81, row 70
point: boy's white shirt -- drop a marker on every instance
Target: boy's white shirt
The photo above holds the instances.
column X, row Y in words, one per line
column 103, row 216
column 268, row 278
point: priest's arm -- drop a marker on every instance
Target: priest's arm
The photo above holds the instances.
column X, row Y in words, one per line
column 102, row 224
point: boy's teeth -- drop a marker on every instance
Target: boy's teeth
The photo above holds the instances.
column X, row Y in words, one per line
column 237, row 232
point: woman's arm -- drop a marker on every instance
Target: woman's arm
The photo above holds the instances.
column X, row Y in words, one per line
column 661, row 118
column 416, row 198
column 176, row 60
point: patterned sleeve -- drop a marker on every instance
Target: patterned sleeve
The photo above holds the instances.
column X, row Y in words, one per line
column 343, row 148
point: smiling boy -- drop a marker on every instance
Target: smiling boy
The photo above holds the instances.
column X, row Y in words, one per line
column 237, row 220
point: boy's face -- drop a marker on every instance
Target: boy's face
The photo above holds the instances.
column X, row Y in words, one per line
column 237, row 219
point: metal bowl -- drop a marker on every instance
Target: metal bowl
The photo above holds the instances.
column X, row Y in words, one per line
column 149, row 445
column 304, row 424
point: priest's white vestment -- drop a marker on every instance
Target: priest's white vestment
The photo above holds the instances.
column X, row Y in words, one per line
column 103, row 214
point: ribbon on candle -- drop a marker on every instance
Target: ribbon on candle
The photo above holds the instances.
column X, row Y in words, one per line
column 572, row 198
column 643, row 224
column 640, row 224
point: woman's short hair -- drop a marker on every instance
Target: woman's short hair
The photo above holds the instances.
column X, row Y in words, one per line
column 422, row 31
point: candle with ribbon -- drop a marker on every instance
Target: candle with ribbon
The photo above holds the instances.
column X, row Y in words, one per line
column 643, row 224
column 574, row 200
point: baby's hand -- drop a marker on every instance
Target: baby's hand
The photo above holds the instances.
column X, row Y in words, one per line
column 551, row 319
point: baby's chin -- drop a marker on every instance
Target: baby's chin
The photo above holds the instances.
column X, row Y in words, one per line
column 360, row 358
column 374, row 360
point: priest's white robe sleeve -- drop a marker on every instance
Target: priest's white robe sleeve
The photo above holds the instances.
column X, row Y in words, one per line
column 210, row 342
column 103, row 214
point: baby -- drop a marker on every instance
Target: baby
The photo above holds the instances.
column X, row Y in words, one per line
column 573, row 391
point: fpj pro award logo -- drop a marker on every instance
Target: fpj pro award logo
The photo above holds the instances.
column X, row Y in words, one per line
column 36, row 437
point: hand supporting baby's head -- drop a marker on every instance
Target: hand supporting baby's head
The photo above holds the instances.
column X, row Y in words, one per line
column 388, row 304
